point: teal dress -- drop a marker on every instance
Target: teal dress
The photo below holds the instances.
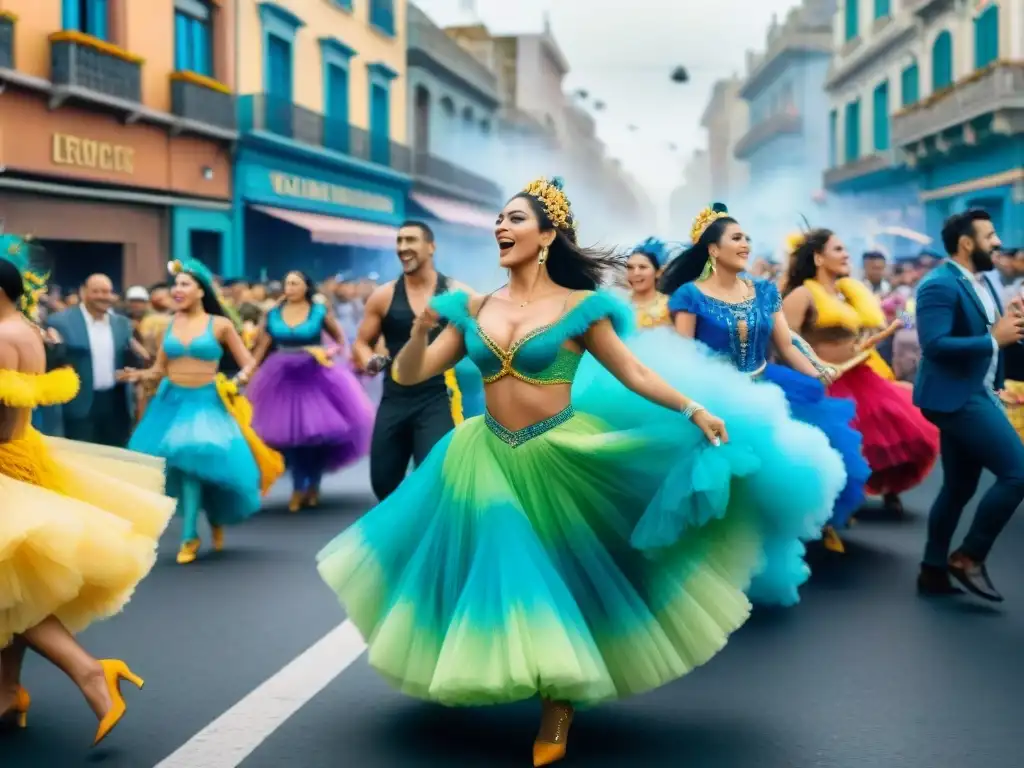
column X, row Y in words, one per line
column 209, row 464
column 504, row 567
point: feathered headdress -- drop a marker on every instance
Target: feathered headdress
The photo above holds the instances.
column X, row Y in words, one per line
column 705, row 218
column 30, row 261
column 795, row 239
column 201, row 272
column 550, row 194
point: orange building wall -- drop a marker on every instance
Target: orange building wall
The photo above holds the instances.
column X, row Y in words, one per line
column 142, row 27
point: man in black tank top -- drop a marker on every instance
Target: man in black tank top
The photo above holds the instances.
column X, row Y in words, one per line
column 410, row 419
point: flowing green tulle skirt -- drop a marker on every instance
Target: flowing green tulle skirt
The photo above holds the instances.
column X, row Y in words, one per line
column 502, row 568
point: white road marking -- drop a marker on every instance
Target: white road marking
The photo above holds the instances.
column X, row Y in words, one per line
column 236, row 734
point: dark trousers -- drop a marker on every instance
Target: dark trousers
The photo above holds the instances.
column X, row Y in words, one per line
column 978, row 436
column 307, row 467
column 108, row 422
column 407, row 427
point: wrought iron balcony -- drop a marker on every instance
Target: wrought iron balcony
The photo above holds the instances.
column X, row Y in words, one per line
column 283, row 118
column 997, row 88
column 787, row 123
column 198, row 99
column 78, row 61
column 6, row 40
column 428, row 168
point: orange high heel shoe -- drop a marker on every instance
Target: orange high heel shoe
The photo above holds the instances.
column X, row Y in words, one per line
column 553, row 737
column 18, row 711
column 295, row 503
column 114, row 671
column 218, row 538
column 830, row 539
column 189, row 551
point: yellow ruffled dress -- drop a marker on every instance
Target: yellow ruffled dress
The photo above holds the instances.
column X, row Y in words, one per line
column 79, row 524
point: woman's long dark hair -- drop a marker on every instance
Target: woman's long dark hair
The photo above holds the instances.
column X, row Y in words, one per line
column 801, row 261
column 10, row 281
column 687, row 266
column 210, row 303
column 310, row 287
column 569, row 264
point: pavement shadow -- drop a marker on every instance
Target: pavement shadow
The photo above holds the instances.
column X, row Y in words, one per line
column 606, row 736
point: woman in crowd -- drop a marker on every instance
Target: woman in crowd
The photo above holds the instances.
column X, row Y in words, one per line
column 843, row 322
column 197, row 422
column 714, row 300
column 306, row 403
column 79, row 525
column 542, row 550
column 643, row 268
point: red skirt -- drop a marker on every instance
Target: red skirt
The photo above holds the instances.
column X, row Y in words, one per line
column 900, row 444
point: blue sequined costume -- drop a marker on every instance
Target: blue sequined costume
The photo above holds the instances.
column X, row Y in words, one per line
column 743, row 333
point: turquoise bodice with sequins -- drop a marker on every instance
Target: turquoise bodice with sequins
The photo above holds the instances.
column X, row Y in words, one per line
column 743, row 331
column 305, row 334
column 203, row 347
column 540, row 357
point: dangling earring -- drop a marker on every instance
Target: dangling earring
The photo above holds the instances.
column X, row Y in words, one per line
column 543, row 255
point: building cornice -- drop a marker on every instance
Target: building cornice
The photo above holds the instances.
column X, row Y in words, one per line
column 886, row 41
column 790, row 46
column 424, row 60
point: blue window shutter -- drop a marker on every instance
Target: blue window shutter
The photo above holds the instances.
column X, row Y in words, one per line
column 97, row 19
column 280, row 69
column 71, row 18
column 909, row 86
column 181, row 41
column 852, row 129
column 880, row 115
column 986, row 37
column 942, row 61
column 200, row 47
column 833, row 138
column 882, row 8
column 337, row 93
column 380, row 123
column 852, row 18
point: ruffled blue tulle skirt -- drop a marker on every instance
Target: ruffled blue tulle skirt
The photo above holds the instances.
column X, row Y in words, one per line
column 191, row 429
column 798, row 474
column 471, row 388
column 833, row 416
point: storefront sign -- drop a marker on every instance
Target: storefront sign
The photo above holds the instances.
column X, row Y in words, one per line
column 91, row 154
column 287, row 185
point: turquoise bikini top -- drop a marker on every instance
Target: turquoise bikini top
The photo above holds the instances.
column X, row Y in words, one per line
column 540, row 357
column 203, row 347
column 305, row 334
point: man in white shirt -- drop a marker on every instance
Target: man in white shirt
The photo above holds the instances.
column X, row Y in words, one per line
column 98, row 342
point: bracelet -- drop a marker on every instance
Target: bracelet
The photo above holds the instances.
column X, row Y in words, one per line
column 692, row 409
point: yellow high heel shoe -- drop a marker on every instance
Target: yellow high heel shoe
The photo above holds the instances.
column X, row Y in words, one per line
column 553, row 737
column 831, row 540
column 18, row 711
column 218, row 538
column 189, row 551
column 114, row 671
column 295, row 503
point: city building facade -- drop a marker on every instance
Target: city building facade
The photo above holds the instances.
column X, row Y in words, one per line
column 453, row 113
column 322, row 168
column 692, row 194
column 874, row 192
column 961, row 123
column 115, row 136
column 786, row 145
column 726, row 120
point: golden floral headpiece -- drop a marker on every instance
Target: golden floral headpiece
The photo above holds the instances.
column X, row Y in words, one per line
column 19, row 252
column 704, row 220
column 550, row 194
column 794, row 240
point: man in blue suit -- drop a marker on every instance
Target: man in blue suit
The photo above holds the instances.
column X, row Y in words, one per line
column 963, row 329
column 98, row 345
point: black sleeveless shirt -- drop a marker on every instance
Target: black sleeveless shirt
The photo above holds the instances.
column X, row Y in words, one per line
column 396, row 328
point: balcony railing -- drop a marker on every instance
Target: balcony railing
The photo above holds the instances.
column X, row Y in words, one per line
column 382, row 15
column 993, row 89
column 281, row 117
column 80, row 61
column 862, row 166
column 430, row 168
column 6, row 41
column 200, row 100
column 781, row 124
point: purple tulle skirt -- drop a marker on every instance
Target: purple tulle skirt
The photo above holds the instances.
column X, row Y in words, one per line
column 299, row 403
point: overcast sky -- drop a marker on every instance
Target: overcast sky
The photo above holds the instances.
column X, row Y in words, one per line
column 624, row 57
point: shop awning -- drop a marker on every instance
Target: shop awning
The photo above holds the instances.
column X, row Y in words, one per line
column 334, row 230
column 455, row 212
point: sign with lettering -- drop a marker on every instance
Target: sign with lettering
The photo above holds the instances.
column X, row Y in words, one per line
column 302, row 188
column 94, row 155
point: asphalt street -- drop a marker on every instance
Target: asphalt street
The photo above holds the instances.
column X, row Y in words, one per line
column 862, row 673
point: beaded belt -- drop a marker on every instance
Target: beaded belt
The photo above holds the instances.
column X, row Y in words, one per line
column 520, row 436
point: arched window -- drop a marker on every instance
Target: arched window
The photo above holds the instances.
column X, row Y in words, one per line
column 851, row 131
column 880, row 116
column 986, row 37
column 851, row 19
column 910, row 85
column 467, row 116
column 421, row 119
column 942, row 61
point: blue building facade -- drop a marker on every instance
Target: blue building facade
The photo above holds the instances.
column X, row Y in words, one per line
column 786, row 146
column 314, row 191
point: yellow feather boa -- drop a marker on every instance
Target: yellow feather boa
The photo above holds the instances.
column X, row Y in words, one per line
column 269, row 461
column 861, row 311
column 31, row 390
